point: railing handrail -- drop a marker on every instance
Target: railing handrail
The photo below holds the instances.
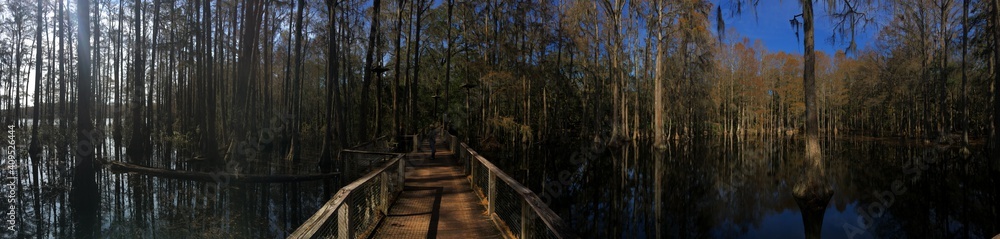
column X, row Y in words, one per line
column 366, row 143
column 552, row 221
column 313, row 224
column 368, row 152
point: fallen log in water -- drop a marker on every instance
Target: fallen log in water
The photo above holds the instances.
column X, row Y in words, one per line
column 218, row 176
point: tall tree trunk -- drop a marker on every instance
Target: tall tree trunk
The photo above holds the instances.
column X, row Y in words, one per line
column 809, row 82
column 659, row 137
column 340, row 93
column 965, row 50
column 199, row 97
column 136, row 149
column 63, row 116
column 34, row 147
column 942, row 126
column 341, row 99
column 812, row 192
column 366, row 81
column 49, row 86
column 397, row 129
column 296, row 103
column 331, row 84
column 996, row 79
column 924, row 72
column 419, row 11
column 169, row 96
column 408, row 111
column 136, row 142
column 119, row 106
column 447, row 71
column 252, row 14
column 334, row 103
column 286, row 90
column 85, row 195
column 96, row 68
column 153, row 75
column 613, row 10
column 19, row 16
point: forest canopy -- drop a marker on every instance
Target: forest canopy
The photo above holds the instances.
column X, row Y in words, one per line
column 204, row 74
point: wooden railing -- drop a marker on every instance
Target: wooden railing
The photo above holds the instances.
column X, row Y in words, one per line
column 356, row 209
column 512, row 207
column 380, row 144
column 357, row 163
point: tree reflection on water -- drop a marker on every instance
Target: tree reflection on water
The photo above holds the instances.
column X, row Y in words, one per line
column 882, row 188
column 140, row 206
column 745, row 190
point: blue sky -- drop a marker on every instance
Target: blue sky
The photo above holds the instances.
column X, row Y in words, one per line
column 771, row 25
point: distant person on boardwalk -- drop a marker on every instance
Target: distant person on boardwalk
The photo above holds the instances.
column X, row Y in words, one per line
column 432, row 136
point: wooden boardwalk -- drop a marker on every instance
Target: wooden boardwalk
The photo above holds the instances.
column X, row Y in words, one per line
column 436, row 202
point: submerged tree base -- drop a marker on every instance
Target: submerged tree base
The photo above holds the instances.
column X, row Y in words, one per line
column 812, row 195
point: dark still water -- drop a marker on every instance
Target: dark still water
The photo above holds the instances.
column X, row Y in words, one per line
column 141, row 206
column 713, row 189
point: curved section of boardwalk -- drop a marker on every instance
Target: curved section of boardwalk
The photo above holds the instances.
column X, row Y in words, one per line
column 436, row 202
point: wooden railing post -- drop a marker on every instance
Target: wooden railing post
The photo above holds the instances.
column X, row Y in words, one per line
column 384, row 191
column 344, row 221
column 472, row 172
column 348, row 168
column 402, row 171
column 416, row 142
column 465, row 160
column 454, row 143
column 491, row 194
column 525, row 219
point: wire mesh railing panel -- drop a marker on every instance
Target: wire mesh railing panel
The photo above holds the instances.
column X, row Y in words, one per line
column 465, row 159
column 482, row 177
column 329, row 228
column 538, row 229
column 508, row 207
column 359, row 163
column 392, row 181
column 470, row 173
column 367, row 162
column 473, row 177
column 364, row 202
column 359, row 206
column 383, row 144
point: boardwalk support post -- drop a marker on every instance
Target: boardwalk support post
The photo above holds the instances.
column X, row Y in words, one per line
column 525, row 219
column 471, row 167
column 344, row 221
column 349, row 173
column 416, row 142
column 465, row 161
column 491, row 195
column 402, row 171
column 453, row 144
column 384, row 193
